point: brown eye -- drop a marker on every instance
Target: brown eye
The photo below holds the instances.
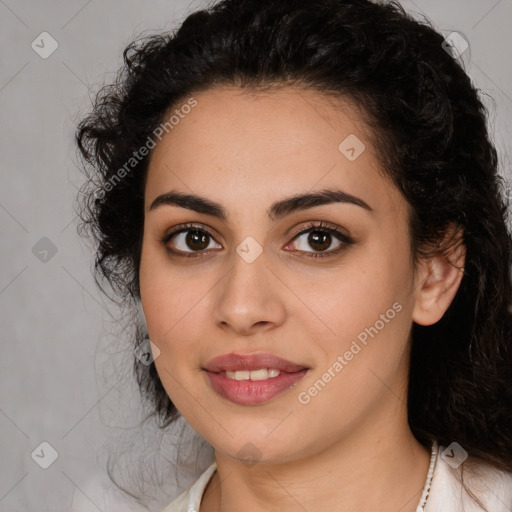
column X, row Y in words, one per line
column 320, row 237
column 188, row 240
column 196, row 239
column 191, row 240
column 317, row 239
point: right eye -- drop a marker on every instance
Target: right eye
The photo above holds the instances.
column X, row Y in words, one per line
column 190, row 239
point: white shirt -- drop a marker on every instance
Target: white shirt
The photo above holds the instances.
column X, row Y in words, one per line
column 492, row 487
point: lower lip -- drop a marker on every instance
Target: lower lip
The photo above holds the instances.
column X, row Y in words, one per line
column 252, row 392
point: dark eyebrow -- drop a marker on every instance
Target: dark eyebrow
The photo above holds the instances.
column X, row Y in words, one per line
column 278, row 210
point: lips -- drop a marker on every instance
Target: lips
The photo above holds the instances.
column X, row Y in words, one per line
column 252, row 392
column 233, row 362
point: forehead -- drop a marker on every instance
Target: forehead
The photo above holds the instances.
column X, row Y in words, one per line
column 241, row 144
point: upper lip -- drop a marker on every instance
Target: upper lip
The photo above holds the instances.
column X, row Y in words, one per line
column 233, row 362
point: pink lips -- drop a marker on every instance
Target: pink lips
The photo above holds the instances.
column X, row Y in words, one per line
column 233, row 362
column 248, row 392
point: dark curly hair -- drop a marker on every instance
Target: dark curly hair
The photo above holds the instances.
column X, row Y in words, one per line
column 428, row 126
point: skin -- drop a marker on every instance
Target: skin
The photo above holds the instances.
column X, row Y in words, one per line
column 350, row 448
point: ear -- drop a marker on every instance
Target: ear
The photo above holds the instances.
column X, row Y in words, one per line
column 438, row 278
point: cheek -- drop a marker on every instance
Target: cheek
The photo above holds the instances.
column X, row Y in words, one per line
column 174, row 301
column 172, row 306
column 367, row 308
column 365, row 287
column 362, row 361
column 159, row 288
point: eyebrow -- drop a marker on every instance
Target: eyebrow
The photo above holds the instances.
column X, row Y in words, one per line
column 276, row 211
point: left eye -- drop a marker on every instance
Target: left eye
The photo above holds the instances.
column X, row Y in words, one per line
column 318, row 239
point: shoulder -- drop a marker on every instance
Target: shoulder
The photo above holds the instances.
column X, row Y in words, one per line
column 453, row 479
column 190, row 499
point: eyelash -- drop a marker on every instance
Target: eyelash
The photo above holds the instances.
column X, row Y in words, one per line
column 313, row 226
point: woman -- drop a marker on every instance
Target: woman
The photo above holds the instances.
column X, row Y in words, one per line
column 304, row 199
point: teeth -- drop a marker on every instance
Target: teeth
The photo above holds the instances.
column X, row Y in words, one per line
column 262, row 374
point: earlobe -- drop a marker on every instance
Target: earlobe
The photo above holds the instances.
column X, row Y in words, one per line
column 438, row 279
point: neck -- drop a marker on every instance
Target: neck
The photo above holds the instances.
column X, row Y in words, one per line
column 374, row 468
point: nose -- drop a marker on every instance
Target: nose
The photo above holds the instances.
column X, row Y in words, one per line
column 250, row 298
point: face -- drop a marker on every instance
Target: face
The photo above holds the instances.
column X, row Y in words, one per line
column 335, row 300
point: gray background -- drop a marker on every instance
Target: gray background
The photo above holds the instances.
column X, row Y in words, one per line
column 65, row 367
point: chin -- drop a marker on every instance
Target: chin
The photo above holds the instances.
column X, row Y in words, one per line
column 257, row 448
